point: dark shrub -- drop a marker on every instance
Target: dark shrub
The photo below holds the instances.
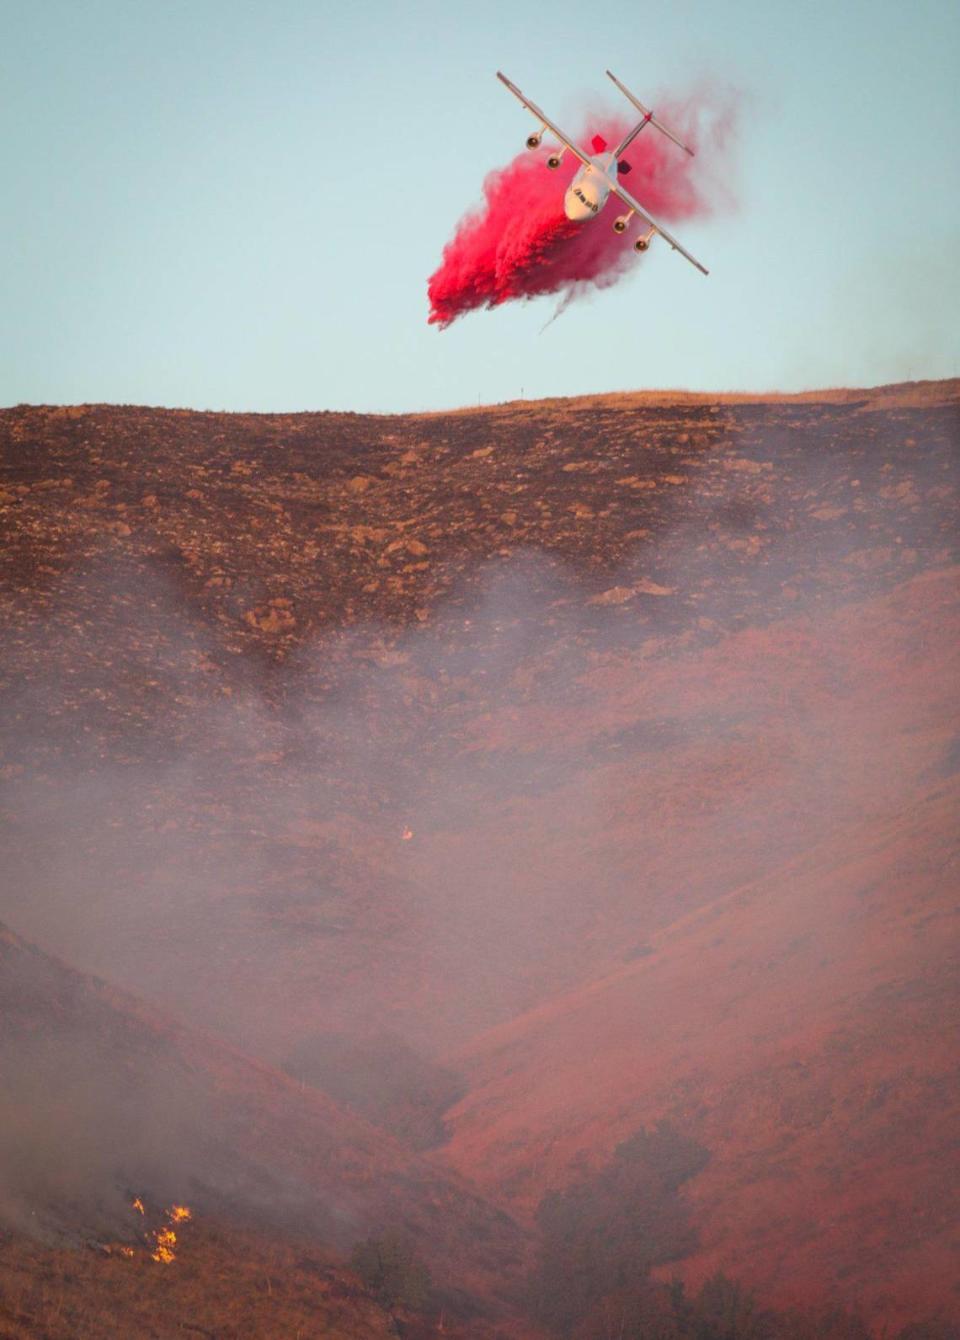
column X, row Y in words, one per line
column 601, row 1236
column 392, row 1271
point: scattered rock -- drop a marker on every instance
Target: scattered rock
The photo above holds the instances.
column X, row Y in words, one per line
column 274, row 618
column 648, row 588
column 617, row 595
column 745, row 465
column 749, row 545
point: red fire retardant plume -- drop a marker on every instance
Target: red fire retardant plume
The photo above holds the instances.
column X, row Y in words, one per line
column 520, row 244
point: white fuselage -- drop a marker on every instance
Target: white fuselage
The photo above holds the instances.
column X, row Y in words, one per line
column 587, row 193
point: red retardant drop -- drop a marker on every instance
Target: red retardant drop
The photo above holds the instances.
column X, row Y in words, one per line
column 520, row 244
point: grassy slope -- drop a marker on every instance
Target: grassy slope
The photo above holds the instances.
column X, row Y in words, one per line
column 693, row 756
column 226, row 1283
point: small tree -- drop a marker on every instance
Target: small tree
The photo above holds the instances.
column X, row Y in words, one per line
column 392, row 1271
column 832, row 1324
column 639, row 1312
column 723, row 1310
column 933, row 1329
column 600, row 1237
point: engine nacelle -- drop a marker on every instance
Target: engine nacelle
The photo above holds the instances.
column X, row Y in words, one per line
column 533, row 141
column 620, row 224
column 642, row 244
column 554, row 161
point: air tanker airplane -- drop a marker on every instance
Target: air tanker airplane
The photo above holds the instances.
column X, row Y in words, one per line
column 587, row 193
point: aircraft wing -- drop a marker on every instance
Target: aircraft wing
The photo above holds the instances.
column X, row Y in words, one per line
column 637, row 208
column 548, row 124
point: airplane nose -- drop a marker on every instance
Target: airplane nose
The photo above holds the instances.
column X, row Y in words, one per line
column 575, row 208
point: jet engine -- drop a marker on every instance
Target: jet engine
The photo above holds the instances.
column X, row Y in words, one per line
column 643, row 243
column 554, row 160
column 533, row 141
column 620, row 223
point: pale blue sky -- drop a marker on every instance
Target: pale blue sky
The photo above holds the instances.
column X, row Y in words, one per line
column 235, row 204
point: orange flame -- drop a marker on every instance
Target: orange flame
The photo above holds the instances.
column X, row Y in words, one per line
column 406, row 835
column 166, row 1240
column 117, row 1249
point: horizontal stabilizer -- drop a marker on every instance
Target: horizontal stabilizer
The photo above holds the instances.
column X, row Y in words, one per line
column 648, row 118
column 598, row 144
column 623, row 167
